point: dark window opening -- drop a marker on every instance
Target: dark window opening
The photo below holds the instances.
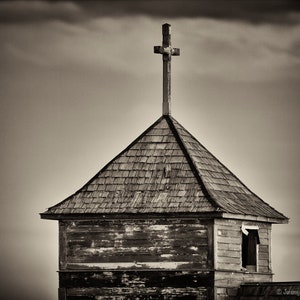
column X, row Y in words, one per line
column 249, row 246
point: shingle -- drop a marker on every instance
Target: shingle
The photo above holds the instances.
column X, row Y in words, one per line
column 165, row 170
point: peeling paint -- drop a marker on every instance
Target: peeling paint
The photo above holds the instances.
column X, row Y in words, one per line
column 109, row 274
column 130, row 229
column 119, row 236
column 127, row 265
column 194, row 248
column 159, row 227
column 136, row 259
column 99, row 250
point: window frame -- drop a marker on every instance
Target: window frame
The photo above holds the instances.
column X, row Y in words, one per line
column 246, row 230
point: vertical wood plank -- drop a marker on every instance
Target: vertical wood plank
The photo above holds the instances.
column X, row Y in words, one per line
column 62, row 294
column 210, row 242
column 62, row 245
column 270, row 242
column 215, row 245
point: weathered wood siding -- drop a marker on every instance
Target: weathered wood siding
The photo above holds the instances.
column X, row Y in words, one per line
column 228, row 244
column 136, row 259
column 135, row 244
column 274, row 291
column 135, row 285
column 227, row 283
column 229, row 273
column 157, row 258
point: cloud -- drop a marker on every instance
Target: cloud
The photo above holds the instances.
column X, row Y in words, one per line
column 37, row 11
column 235, row 51
column 231, row 51
column 281, row 11
column 256, row 12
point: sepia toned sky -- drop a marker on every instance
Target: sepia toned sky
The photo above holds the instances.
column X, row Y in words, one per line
column 79, row 82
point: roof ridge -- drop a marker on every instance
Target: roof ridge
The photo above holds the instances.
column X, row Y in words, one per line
column 191, row 162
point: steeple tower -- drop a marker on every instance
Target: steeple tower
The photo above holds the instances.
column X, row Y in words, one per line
column 164, row 219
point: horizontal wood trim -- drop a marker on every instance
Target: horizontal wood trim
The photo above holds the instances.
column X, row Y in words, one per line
column 214, row 215
column 228, row 266
column 133, row 216
column 255, row 218
column 229, row 240
column 180, row 265
column 229, row 253
column 140, row 259
column 116, row 293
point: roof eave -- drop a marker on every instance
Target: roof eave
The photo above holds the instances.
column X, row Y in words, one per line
column 103, row 216
column 283, row 220
column 207, row 215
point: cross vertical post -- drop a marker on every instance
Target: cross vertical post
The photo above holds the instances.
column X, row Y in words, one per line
column 167, row 52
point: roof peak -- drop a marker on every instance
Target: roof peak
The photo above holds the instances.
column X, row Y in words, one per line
column 164, row 171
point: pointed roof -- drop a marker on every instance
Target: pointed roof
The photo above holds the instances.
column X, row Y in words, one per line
column 165, row 171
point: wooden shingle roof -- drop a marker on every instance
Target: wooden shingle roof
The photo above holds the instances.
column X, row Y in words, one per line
column 165, row 171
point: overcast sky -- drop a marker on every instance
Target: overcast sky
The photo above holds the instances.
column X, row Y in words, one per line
column 79, row 82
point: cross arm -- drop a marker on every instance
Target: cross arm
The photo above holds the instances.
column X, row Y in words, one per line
column 167, row 50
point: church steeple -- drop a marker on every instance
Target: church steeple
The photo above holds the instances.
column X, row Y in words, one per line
column 167, row 52
column 165, row 219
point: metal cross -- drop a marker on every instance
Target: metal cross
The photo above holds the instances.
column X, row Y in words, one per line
column 167, row 52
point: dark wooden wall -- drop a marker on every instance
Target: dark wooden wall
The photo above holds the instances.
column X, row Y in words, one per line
column 135, row 285
column 272, row 291
column 159, row 258
column 151, row 259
